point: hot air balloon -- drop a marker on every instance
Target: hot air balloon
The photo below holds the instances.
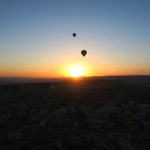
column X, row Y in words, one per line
column 74, row 35
column 83, row 52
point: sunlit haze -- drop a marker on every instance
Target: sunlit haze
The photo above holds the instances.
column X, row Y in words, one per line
column 36, row 38
column 76, row 71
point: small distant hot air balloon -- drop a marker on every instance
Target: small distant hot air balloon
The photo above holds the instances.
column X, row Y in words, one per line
column 74, row 35
column 83, row 52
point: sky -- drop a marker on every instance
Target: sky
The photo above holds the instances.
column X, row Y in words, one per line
column 36, row 37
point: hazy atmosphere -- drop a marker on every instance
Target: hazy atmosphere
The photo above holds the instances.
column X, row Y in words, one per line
column 36, row 37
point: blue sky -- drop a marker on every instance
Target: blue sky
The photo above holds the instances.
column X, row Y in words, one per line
column 36, row 35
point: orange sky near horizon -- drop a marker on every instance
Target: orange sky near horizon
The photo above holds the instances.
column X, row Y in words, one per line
column 90, row 69
column 59, row 67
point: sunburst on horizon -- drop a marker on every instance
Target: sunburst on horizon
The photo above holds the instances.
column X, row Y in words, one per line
column 76, row 71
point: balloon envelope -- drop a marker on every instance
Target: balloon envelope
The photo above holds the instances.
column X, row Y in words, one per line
column 74, row 34
column 83, row 52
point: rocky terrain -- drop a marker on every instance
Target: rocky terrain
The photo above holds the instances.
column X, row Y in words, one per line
column 75, row 115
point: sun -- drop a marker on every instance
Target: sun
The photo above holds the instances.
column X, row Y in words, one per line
column 76, row 71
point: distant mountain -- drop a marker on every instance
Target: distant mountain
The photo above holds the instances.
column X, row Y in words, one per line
column 18, row 80
column 143, row 80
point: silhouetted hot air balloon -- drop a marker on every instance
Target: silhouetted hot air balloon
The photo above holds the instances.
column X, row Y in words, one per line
column 74, row 35
column 83, row 52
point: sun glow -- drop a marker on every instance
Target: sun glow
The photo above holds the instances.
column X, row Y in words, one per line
column 76, row 71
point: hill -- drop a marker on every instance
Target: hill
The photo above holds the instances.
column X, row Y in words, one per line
column 90, row 113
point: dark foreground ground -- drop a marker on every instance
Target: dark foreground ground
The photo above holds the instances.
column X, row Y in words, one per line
column 82, row 114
